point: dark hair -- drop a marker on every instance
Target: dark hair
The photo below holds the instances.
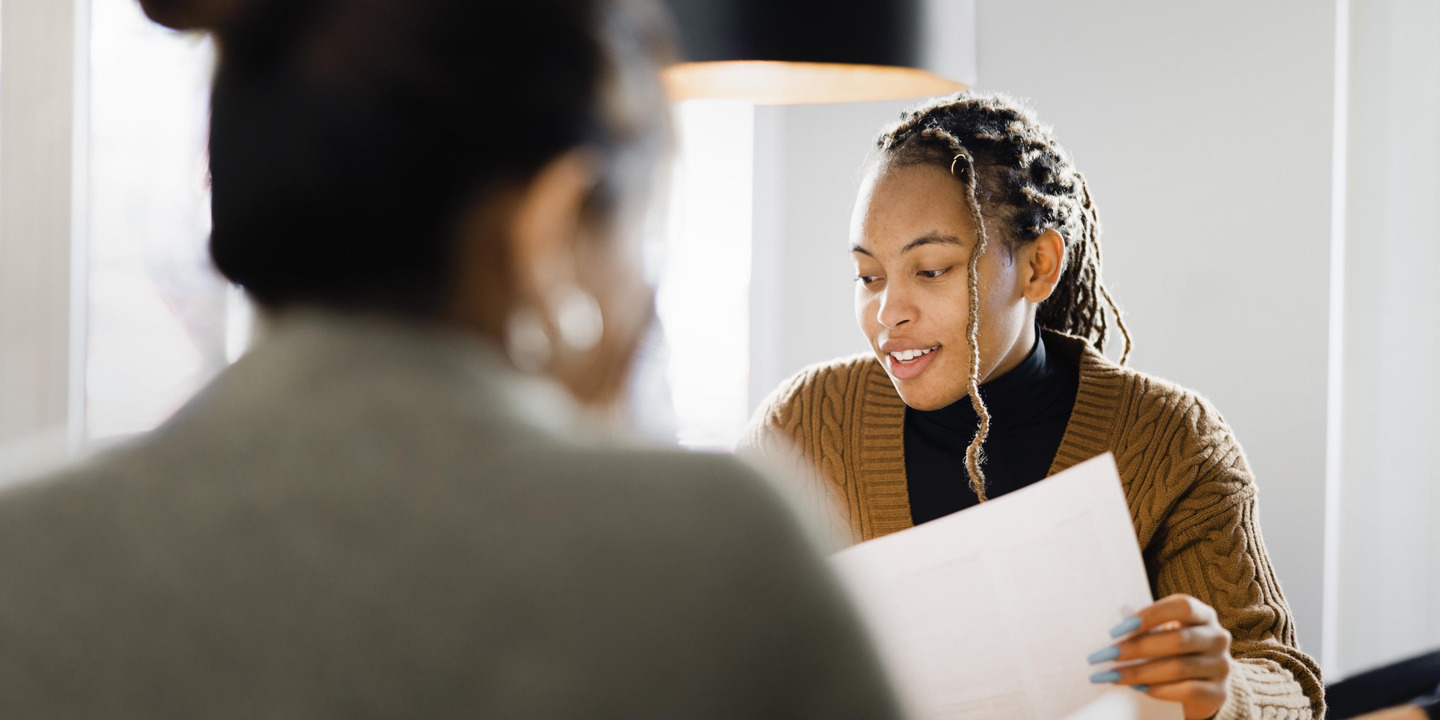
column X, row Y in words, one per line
column 349, row 137
column 1016, row 174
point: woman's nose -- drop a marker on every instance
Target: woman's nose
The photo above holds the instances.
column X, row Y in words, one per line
column 895, row 309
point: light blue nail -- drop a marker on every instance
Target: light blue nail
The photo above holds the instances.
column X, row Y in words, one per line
column 1126, row 626
column 1108, row 676
column 1105, row 655
column 1141, row 688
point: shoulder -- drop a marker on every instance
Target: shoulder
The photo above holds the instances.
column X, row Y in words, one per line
column 1173, row 419
column 1175, row 451
column 835, row 382
column 833, row 377
column 63, row 536
column 725, row 528
column 109, row 528
column 666, row 476
column 1139, row 409
column 707, row 502
column 90, row 479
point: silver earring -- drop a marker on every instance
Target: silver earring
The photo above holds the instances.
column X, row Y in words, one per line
column 579, row 319
column 526, row 341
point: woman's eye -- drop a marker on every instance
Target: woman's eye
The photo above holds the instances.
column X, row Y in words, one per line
column 932, row 274
column 867, row 279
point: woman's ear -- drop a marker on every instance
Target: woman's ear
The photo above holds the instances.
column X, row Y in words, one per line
column 546, row 222
column 538, row 272
column 515, row 248
column 1044, row 261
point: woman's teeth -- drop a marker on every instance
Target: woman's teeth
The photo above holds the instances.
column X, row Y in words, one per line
column 910, row 355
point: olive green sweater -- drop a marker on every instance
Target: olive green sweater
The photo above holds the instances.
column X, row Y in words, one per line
column 1191, row 494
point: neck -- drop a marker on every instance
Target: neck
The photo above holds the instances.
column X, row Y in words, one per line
column 1016, row 353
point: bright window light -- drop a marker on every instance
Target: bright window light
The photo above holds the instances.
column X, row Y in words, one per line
column 157, row 313
column 704, row 287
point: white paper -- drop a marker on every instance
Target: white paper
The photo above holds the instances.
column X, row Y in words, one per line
column 991, row 612
column 1112, row 706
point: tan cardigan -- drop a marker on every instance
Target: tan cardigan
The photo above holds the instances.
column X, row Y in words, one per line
column 1191, row 495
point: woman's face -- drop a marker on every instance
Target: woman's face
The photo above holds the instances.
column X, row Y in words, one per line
column 911, row 237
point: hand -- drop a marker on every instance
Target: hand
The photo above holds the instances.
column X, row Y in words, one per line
column 1185, row 654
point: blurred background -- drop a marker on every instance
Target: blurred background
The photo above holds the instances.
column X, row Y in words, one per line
column 1267, row 173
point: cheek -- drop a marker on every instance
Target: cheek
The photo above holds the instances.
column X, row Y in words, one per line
column 867, row 308
column 952, row 307
column 611, row 267
column 1002, row 310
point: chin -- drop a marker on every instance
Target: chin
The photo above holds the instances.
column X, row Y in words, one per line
column 933, row 389
column 923, row 398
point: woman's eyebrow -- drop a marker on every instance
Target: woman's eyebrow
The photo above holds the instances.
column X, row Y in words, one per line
column 933, row 237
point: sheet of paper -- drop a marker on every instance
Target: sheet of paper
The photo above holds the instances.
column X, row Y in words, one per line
column 991, row 612
column 1111, row 706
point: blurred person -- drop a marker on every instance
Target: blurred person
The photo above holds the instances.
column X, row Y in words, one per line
column 976, row 244
column 397, row 503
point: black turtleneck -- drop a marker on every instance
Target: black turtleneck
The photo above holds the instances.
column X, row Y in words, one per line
column 1029, row 408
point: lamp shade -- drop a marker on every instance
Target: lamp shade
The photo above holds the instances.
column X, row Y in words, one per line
column 800, row 51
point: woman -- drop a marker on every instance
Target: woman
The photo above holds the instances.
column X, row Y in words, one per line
column 393, row 506
column 976, row 247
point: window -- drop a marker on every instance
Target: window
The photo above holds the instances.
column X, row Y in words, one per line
column 705, row 284
column 158, row 316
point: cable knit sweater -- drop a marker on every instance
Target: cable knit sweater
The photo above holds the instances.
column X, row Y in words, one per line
column 1191, row 494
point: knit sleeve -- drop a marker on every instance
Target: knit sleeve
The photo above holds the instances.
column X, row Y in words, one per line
column 774, row 429
column 1211, row 548
column 783, row 438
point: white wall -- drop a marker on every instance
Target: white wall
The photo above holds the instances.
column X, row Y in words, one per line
column 1205, row 131
column 37, row 143
column 949, row 37
column 1389, row 538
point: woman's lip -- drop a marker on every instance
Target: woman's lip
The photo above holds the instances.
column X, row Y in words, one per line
column 910, row 370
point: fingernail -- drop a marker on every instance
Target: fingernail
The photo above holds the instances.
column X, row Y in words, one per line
column 1105, row 655
column 1109, row 676
column 1126, row 626
column 1141, row 688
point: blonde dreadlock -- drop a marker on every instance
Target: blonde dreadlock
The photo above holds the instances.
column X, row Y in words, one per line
column 1011, row 165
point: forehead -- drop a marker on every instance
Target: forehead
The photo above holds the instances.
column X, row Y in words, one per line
column 899, row 203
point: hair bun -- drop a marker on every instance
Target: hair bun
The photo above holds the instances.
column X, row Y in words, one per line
column 206, row 15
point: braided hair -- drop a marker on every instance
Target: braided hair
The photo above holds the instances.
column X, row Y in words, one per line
column 1018, row 175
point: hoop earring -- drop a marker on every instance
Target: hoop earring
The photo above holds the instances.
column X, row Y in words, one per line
column 579, row 319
